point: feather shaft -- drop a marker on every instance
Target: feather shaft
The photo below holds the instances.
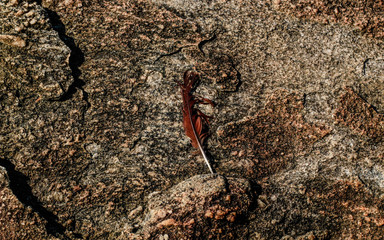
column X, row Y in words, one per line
column 194, row 121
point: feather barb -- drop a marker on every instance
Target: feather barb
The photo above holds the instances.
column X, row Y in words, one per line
column 194, row 121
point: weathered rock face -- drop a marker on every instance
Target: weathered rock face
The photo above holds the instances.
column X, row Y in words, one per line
column 90, row 121
column 360, row 116
column 17, row 221
column 202, row 207
column 265, row 144
column 34, row 63
column 359, row 14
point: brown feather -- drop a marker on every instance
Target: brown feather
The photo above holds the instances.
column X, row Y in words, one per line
column 195, row 122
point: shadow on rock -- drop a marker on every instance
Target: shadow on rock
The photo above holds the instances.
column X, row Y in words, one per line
column 23, row 192
column 75, row 59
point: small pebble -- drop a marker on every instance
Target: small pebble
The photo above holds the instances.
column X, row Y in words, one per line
column 13, row 2
column 135, row 212
column 261, row 204
column 18, row 29
column 241, row 153
column 11, row 40
column 30, row 13
column 273, row 198
column 33, row 21
column 68, row 3
column 19, row 13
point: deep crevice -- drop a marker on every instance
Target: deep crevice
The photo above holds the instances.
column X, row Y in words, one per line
column 238, row 74
column 365, row 65
column 76, row 58
column 18, row 183
column 200, row 45
column 170, row 54
column 203, row 42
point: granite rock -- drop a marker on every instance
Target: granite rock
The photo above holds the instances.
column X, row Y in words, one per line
column 202, row 207
column 17, row 221
column 91, row 122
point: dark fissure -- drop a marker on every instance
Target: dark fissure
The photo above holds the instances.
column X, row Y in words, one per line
column 75, row 59
column 18, row 183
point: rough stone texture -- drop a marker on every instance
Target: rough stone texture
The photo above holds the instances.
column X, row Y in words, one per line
column 34, row 61
column 367, row 16
column 90, row 120
column 318, row 208
column 16, row 220
column 202, row 207
column 262, row 145
column 360, row 116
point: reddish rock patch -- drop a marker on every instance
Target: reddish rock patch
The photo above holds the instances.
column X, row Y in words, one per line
column 367, row 16
column 264, row 144
column 16, row 220
column 202, row 207
column 360, row 116
column 350, row 200
column 215, row 67
column 321, row 208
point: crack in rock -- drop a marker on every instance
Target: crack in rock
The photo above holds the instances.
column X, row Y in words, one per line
column 203, row 42
column 18, row 183
column 76, row 58
column 200, row 46
column 171, row 53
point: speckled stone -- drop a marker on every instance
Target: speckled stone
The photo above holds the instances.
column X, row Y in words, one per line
column 90, row 113
column 213, row 204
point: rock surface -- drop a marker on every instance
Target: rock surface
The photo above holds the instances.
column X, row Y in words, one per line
column 90, row 120
column 202, row 207
column 17, row 221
